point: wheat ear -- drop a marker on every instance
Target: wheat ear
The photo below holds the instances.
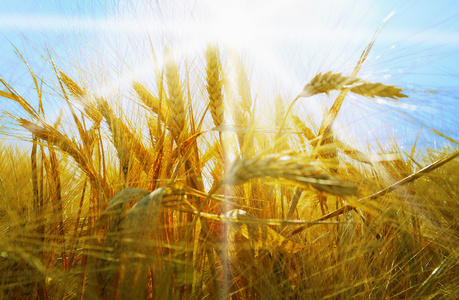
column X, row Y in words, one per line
column 75, row 90
column 111, row 223
column 140, row 245
column 156, row 106
column 324, row 83
column 287, row 167
column 175, row 102
column 237, row 114
column 124, row 140
column 214, row 85
column 148, row 99
column 307, row 132
column 259, row 235
column 243, row 85
column 279, row 110
column 53, row 136
column 80, row 94
column 329, row 119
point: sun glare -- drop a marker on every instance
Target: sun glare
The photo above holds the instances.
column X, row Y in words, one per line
column 275, row 36
column 284, row 44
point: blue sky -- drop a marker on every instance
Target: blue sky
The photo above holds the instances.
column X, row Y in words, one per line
column 286, row 43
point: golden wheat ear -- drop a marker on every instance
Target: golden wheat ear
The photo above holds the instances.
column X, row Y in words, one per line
column 139, row 238
column 214, row 85
column 88, row 102
column 148, row 99
column 243, row 85
column 259, row 235
column 289, row 168
column 110, row 222
column 48, row 133
column 325, row 83
column 175, row 101
column 75, row 90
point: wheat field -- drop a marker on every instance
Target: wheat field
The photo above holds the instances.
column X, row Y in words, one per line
column 171, row 194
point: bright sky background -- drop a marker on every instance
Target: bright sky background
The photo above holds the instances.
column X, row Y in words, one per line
column 285, row 42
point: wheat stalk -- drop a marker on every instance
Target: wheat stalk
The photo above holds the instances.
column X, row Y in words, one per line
column 329, row 119
column 344, row 147
column 214, row 85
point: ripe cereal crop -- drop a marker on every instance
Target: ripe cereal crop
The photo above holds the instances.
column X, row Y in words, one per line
column 194, row 180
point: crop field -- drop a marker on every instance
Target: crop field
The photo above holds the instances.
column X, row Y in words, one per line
column 194, row 180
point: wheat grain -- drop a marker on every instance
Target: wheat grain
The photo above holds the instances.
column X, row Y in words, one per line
column 162, row 251
column 241, row 107
column 162, row 111
column 353, row 153
column 13, row 95
column 117, row 128
column 329, row 119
